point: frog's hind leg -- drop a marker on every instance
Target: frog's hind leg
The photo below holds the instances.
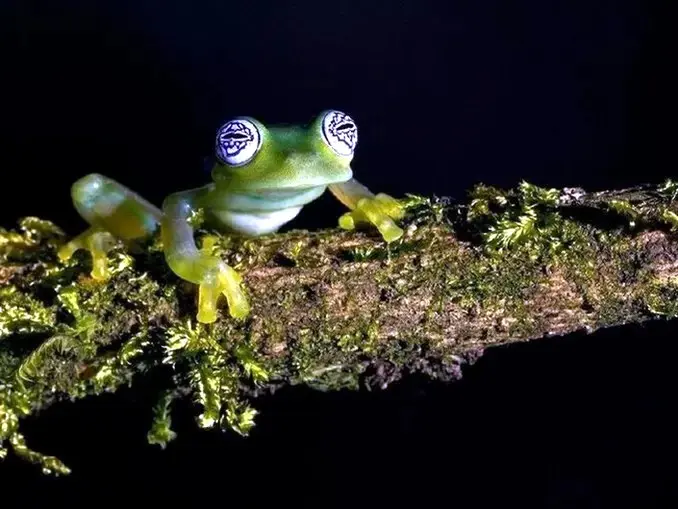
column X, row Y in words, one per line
column 112, row 211
column 98, row 243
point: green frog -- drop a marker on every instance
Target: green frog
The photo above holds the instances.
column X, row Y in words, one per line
column 261, row 179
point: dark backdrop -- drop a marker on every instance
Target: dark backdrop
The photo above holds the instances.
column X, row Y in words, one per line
column 445, row 94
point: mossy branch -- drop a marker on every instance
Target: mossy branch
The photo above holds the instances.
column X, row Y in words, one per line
column 331, row 309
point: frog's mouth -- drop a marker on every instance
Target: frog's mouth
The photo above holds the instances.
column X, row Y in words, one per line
column 283, row 193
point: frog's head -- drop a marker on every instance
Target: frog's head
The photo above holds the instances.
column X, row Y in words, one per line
column 253, row 157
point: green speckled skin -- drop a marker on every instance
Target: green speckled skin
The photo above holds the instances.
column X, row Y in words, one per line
column 262, row 178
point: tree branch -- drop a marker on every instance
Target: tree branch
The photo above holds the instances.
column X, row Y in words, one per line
column 331, row 309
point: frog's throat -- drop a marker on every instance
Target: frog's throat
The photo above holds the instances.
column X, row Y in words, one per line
column 255, row 223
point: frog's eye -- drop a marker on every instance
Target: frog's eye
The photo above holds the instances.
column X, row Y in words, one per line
column 237, row 142
column 340, row 132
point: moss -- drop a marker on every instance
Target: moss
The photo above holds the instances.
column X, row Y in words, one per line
column 21, row 313
column 624, row 208
column 660, row 295
column 161, row 429
column 62, row 335
column 35, row 240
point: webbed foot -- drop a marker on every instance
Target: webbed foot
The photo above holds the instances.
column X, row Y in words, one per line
column 379, row 211
column 98, row 243
column 216, row 279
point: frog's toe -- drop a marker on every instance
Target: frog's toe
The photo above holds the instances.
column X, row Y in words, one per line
column 231, row 288
column 381, row 211
column 390, row 231
column 66, row 252
column 208, row 294
column 392, row 207
column 347, row 221
column 100, row 270
column 227, row 283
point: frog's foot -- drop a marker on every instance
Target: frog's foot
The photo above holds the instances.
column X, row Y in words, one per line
column 379, row 211
column 98, row 243
column 214, row 279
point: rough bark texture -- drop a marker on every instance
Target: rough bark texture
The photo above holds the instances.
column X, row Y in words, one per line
column 332, row 309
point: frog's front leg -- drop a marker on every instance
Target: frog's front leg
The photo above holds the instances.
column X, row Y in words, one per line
column 366, row 207
column 112, row 211
column 213, row 276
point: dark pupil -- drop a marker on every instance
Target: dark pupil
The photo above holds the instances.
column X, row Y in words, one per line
column 346, row 126
column 236, row 136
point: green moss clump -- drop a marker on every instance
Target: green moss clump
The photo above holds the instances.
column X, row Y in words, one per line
column 65, row 336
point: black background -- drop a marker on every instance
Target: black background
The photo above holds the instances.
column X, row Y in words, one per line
column 445, row 95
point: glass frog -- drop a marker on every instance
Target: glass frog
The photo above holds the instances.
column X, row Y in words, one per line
column 262, row 177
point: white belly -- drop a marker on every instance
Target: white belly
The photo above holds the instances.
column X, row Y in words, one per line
column 255, row 223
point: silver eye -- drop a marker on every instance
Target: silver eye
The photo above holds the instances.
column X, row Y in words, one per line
column 237, row 142
column 340, row 132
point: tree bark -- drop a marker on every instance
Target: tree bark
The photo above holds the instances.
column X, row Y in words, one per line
column 332, row 308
